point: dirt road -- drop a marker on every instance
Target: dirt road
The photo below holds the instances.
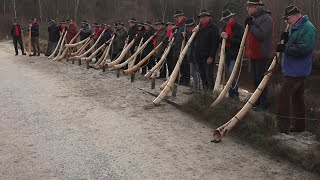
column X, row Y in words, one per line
column 61, row 121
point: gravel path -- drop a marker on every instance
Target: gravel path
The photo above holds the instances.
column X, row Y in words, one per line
column 61, row 121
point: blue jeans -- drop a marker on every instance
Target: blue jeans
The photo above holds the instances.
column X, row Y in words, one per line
column 233, row 91
column 259, row 67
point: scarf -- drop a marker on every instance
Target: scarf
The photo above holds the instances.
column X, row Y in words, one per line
column 179, row 23
column 156, row 37
column 169, row 32
column 17, row 30
column 204, row 25
column 229, row 31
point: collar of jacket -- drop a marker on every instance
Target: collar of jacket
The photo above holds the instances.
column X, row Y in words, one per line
column 300, row 23
column 260, row 12
column 207, row 26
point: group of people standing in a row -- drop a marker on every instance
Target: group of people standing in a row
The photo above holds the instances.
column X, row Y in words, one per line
column 199, row 63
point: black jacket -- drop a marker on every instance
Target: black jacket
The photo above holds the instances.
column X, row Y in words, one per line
column 176, row 48
column 54, row 33
column 235, row 41
column 13, row 31
column 85, row 32
column 105, row 37
column 146, row 35
column 132, row 34
column 35, row 30
column 206, row 43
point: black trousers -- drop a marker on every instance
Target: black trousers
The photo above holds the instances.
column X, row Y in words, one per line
column 206, row 72
column 17, row 40
column 184, row 69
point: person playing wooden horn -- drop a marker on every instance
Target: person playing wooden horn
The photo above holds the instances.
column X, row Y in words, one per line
column 54, row 35
column 16, row 34
column 259, row 44
column 63, row 25
column 104, row 38
column 35, row 32
column 194, row 72
column 299, row 44
column 149, row 31
column 121, row 35
column 180, row 19
column 132, row 32
column 85, row 30
column 160, row 35
column 232, row 32
column 206, row 44
column 72, row 31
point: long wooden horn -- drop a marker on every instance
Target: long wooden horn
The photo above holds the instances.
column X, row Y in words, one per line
column 175, row 72
column 123, row 54
column 220, row 132
column 23, row 40
column 89, row 50
column 138, row 51
column 29, row 43
column 95, row 53
column 77, row 44
column 234, row 71
column 161, row 61
column 144, row 60
column 131, row 64
column 64, row 53
column 61, row 46
column 105, row 55
column 57, row 47
column 221, row 65
column 84, row 46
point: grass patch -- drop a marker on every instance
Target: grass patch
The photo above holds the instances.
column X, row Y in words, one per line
column 257, row 128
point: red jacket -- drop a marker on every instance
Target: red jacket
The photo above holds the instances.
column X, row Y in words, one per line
column 72, row 31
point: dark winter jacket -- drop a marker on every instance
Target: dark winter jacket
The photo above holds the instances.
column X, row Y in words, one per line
column 13, row 31
column 206, row 43
column 158, row 39
column 139, row 37
column 85, row 32
column 35, row 29
column 105, row 37
column 297, row 60
column 132, row 34
column 259, row 40
column 54, row 33
column 235, row 41
column 146, row 35
column 176, row 48
column 119, row 40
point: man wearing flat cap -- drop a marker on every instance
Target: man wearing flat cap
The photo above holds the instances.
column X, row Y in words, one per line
column 149, row 31
column 259, row 45
column 54, row 36
column 85, row 30
column 16, row 33
column 299, row 44
column 180, row 36
column 160, row 35
column 121, row 35
column 133, row 30
column 232, row 33
column 206, row 44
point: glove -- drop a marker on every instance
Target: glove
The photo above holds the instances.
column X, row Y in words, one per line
column 249, row 20
column 280, row 47
column 284, row 37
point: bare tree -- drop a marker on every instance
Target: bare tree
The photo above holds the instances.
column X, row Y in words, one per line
column 40, row 10
column 76, row 10
column 14, row 8
column 163, row 4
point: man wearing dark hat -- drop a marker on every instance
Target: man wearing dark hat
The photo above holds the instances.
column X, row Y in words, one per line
column 196, row 80
column 54, row 36
column 72, row 30
column 35, row 31
column 16, row 33
column 299, row 44
column 206, row 44
column 149, row 31
column 259, row 44
column 180, row 36
column 232, row 33
column 133, row 30
column 160, row 36
column 63, row 25
column 104, row 38
column 121, row 34
column 85, row 30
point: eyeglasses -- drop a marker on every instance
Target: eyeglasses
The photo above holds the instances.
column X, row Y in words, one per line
column 287, row 18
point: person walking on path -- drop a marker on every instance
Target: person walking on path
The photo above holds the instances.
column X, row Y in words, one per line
column 16, row 34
